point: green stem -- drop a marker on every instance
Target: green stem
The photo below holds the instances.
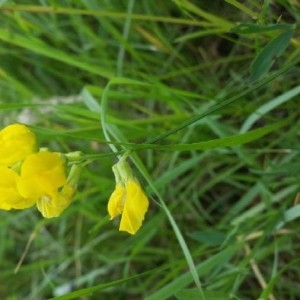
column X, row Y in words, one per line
column 126, row 29
column 219, row 106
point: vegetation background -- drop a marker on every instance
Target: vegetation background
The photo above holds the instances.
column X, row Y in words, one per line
column 206, row 93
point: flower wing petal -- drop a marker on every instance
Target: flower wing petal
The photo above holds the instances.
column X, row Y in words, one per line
column 116, row 201
column 135, row 207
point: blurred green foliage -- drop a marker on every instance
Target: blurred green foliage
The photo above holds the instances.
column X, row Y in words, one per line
column 175, row 73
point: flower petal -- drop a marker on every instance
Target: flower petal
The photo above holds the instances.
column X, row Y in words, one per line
column 116, row 201
column 135, row 207
column 52, row 206
column 9, row 195
column 17, row 142
column 41, row 174
column 43, row 179
column 47, row 165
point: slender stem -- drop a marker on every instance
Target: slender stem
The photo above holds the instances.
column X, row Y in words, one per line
column 125, row 35
column 103, row 121
column 218, row 106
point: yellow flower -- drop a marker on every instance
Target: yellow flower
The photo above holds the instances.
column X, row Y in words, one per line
column 16, row 143
column 9, row 194
column 116, row 201
column 43, row 180
column 128, row 199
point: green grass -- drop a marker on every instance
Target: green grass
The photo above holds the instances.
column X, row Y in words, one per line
column 205, row 97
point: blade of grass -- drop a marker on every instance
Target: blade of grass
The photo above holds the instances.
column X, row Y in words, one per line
column 221, row 258
column 101, row 287
column 243, row 8
column 148, row 178
column 220, row 105
column 234, row 140
column 213, row 19
column 99, row 13
column 267, row 107
column 265, row 59
column 37, row 46
column 125, row 35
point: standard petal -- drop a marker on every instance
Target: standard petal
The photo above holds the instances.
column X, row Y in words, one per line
column 17, row 142
column 43, row 178
column 29, row 187
column 116, row 201
column 47, row 165
column 42, row 174
column 135, row 207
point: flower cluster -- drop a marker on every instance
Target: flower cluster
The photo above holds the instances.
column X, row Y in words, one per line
column 128, row 199
column 30, row 176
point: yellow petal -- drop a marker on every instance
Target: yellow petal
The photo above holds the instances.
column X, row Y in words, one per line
column 9, row 195
column 52, row 206
column 43, row 178
column 17, row 142
column 42, row 174
column 47, row 165
column 135, row 207
column 29, row 187
column 116, row 201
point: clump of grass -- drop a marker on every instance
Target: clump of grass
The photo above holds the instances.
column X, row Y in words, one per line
column 204, row 95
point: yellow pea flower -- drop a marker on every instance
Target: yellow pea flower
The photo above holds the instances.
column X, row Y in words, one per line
column 16, row 143
column 43, row 180
column 128, row 199
column 116, row 201
column 9, row 194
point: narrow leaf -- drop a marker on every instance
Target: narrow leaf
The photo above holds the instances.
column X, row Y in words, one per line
column 41, row 48
column 289, row 215
column 185, row 279
column 218, row 143
column 193, row 294
column 248, row 28
column 265, row 59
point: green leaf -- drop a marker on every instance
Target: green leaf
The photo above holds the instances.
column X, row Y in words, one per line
column 243, row 8
column 193, row 294
column 269, row 106
column 265, row 59
column 216, row 20
column 258, row 208
column 42, row 48
column 185, row 279
column 217, row 143
column 100, row 287
column 289, row 215
column 248, row 28
column 209, row 237
column 90, row 101
column 221, row 104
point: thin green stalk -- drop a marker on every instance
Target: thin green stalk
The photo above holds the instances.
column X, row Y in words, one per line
column 103, row 109
column 219, row 105
column 147, row 177
column 179, row 236
column 126, row 29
